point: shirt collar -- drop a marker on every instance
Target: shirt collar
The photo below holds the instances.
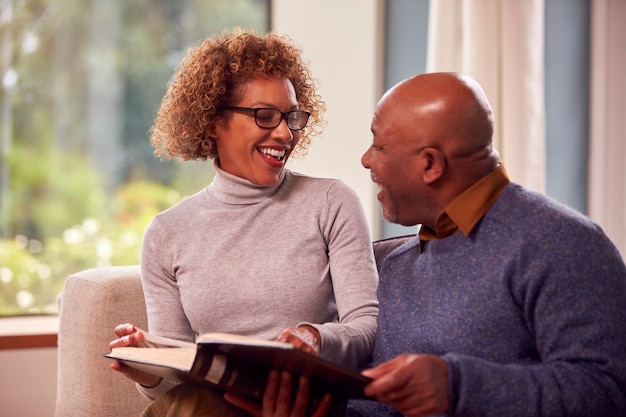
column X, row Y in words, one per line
column 464, row 212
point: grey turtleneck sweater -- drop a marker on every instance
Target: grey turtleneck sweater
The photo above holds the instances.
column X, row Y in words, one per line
column 250, row 260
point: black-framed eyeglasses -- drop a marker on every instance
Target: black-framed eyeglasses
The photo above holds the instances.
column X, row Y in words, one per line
column 270, row 118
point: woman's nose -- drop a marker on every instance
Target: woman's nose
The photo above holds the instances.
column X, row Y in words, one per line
column 282, row 131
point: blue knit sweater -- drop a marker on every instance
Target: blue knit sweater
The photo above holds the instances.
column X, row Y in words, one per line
column 529, row 311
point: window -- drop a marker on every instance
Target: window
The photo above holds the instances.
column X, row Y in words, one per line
column 81, row 83
column 567, row 37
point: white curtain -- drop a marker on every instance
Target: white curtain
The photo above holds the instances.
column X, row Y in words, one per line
column 607, row 147
column 500, row 43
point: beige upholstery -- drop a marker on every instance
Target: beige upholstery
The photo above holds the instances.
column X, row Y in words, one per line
column 93, row 302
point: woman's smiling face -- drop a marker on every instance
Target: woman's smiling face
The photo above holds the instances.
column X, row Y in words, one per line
column 252, row 152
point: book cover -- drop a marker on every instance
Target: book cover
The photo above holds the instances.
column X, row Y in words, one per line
column 238, row 364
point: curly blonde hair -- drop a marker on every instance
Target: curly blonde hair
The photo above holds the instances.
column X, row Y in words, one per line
column 212, row 74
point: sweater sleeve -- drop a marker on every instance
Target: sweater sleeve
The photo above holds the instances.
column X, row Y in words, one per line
column 163, row 303
column 166, row 316
column 354, row 278
column 161, row 388
column 577, row 313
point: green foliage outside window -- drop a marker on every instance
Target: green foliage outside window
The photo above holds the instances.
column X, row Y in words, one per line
column 81, row 83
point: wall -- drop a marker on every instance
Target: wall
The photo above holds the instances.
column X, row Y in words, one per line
column 344, row 48
column 28, row 382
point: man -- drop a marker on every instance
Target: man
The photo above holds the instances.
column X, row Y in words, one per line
column 506, row 303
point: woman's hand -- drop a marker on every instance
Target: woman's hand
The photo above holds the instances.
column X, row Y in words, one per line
column 305, row 338
column 129, row 336
column 278, row 399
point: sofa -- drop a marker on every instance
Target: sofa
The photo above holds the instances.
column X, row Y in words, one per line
column 91, row 304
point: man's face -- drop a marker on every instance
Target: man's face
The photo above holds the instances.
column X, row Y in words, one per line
column 393, row 163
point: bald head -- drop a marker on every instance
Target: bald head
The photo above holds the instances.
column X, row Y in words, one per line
column 451, row 110
column 432, row 141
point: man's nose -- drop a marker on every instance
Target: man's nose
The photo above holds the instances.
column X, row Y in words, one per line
column 365, row 159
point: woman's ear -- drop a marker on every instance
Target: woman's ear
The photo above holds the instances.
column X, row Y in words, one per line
column 434, row 162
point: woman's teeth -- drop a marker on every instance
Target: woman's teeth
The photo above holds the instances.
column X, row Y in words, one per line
column 278, row 154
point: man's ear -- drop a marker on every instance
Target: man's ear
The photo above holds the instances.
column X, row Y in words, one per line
column 434, row 165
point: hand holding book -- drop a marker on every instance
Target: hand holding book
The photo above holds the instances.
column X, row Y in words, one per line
column 305, row 338
column 131, row 336
column 280, row 400
column 239, row 364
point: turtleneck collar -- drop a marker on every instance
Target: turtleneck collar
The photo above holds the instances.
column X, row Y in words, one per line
column 231, row 189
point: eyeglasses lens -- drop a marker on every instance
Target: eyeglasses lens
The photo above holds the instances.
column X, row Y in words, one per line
column 270, row 118
column 296, row 120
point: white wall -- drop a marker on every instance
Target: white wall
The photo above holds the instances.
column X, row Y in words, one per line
column 28, row 382
column 342, row 39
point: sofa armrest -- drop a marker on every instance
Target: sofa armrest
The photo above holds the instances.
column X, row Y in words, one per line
column 92, row 303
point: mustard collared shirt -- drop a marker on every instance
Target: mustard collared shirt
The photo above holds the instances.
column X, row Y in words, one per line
column 468, row 208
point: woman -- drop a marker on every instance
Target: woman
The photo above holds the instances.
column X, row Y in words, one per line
column 261, row 251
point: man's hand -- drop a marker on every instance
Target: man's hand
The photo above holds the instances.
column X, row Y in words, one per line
column 416, row 385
